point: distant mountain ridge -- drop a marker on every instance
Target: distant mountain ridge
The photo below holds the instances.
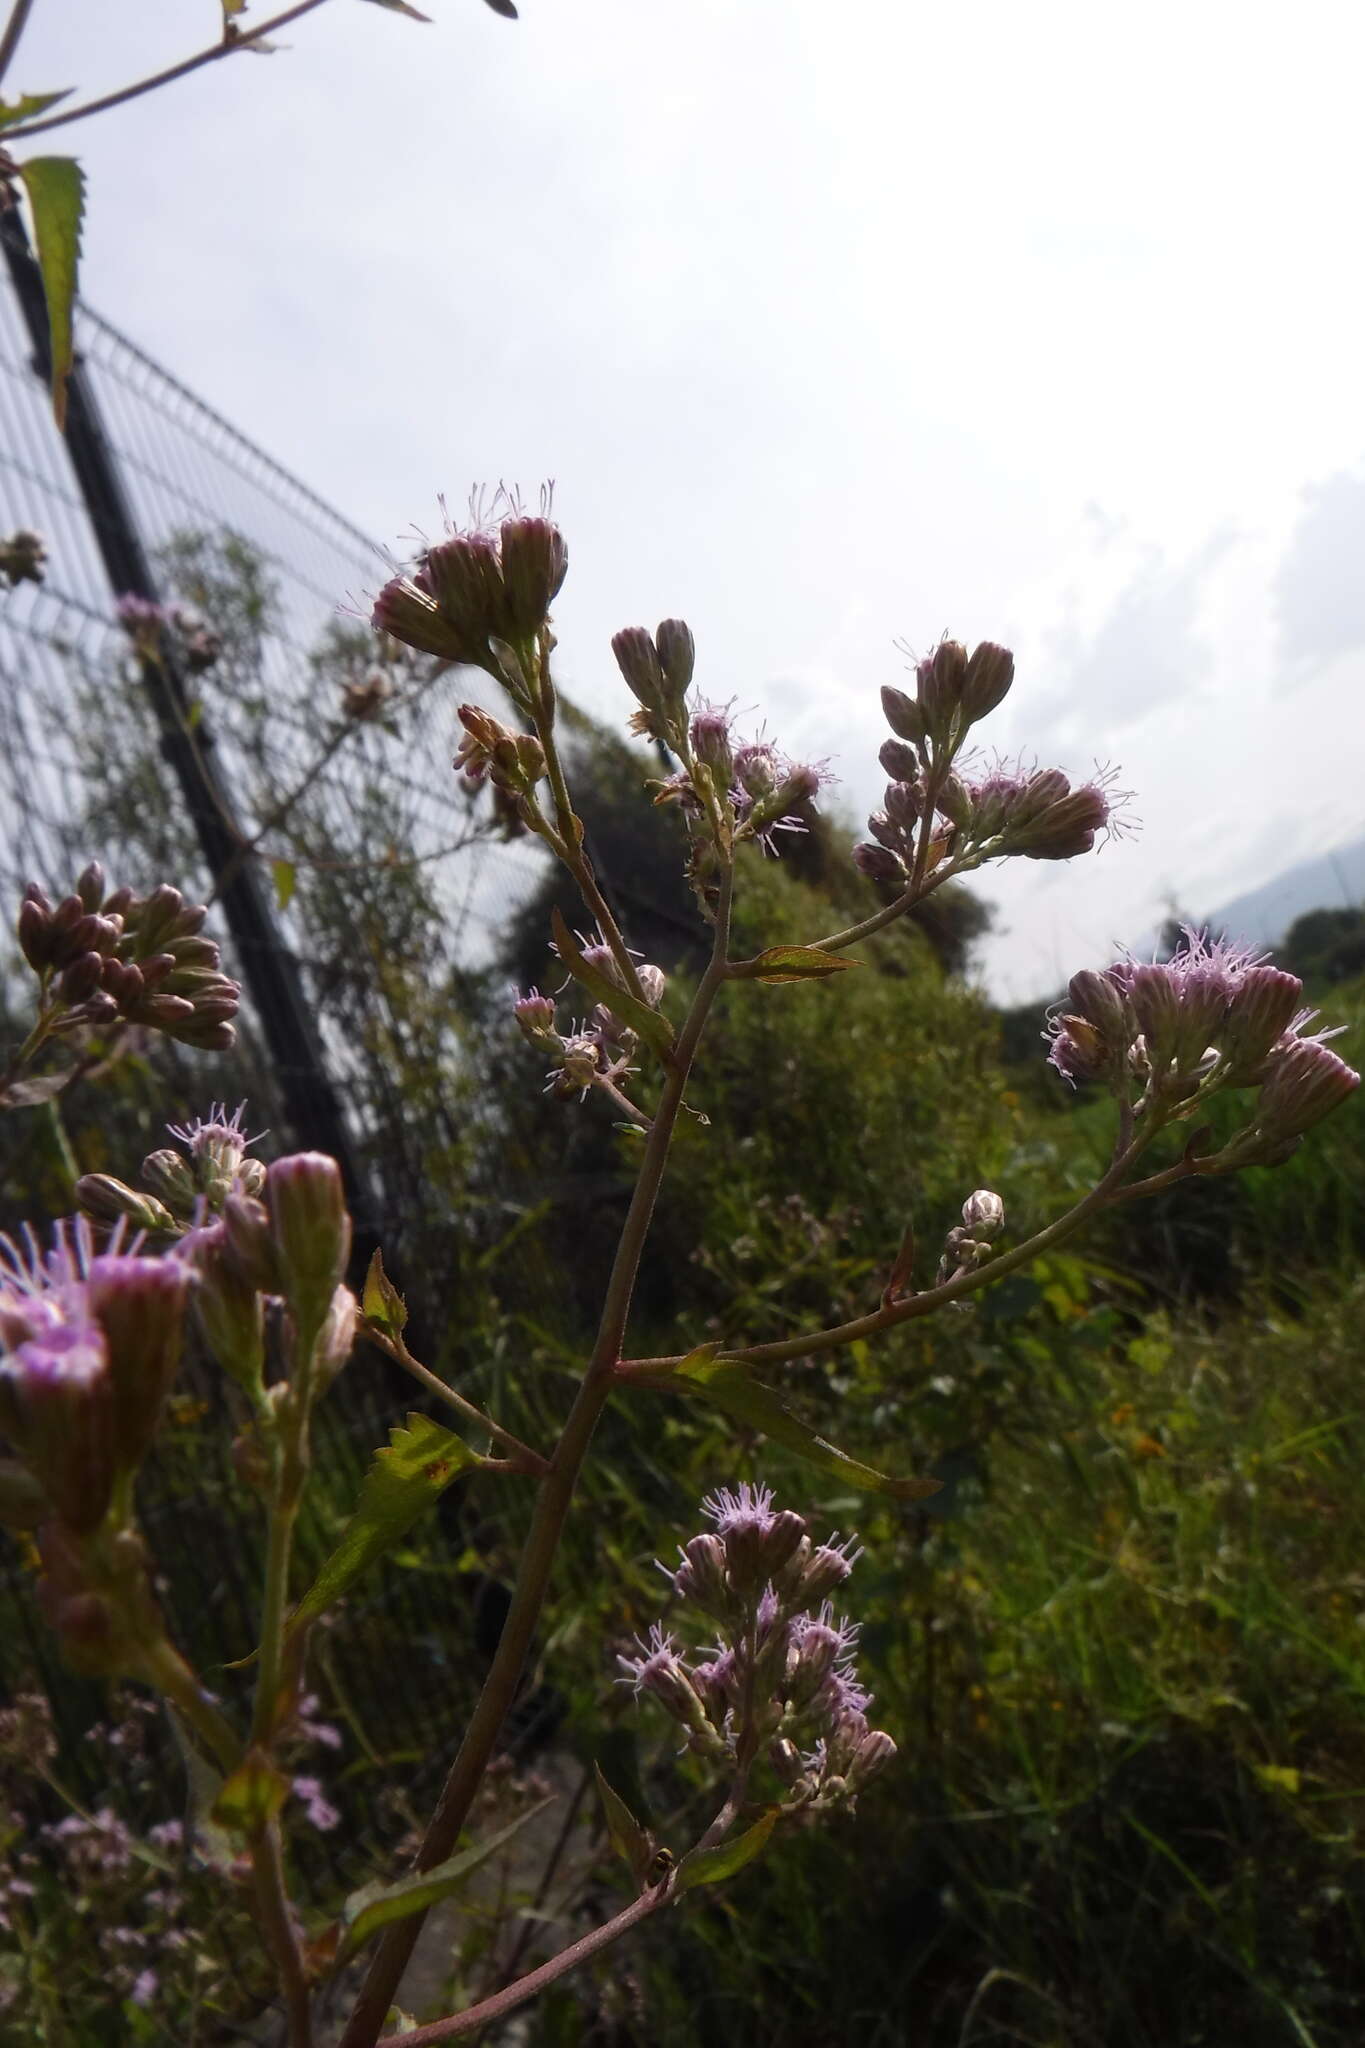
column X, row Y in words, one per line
column 1328, row 881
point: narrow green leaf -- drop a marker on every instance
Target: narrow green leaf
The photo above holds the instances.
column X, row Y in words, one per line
column 401, row 7
column 653, row 1028
column 56, row 197
column 797, row 963
column 379, row 1905
column 381, row 1302
column 404, row 1479
column 628, row 1838
column 731, row 1387
column 713, row 1866
column 285, row 874
column 503, row 7
column 28, row 106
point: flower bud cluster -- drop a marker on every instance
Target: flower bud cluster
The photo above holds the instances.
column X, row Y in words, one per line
column 480, row 590
column 179, row 1188
column 658, row 673
column 599, row 1048
column 89, row 1346
column 194, row 641
column 780, row 1683
column 102, row 956
column 1007, row 810
column 23, row 555
column 513, row 762
column 1214, row 1016
column 968, row 1244
column 727, row 789
column 292, row 1247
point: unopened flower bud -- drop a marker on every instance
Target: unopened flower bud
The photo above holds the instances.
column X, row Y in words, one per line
column 878, row 863
column 35, row 934
column 1306, row 1082
column 903, row 807
column 984, row 1213
column 701, row 1575
column 899, row 760
column 939, row 681
column 535, row 561
column 638, row 660
column 990, row 673
column 1261, row 1010
column 785, row 1758
column 170, row 1178
column 139, row 1304
column 677, row 657
column 653, row 981
column 311, row 1230
column 954, row 799
column 80, row 980
column 230, row 1312
column 56, row 1409
column 106, row 1200
column 709, row 735
column 903, row 715
column 872, row 1754
column 535, row 1015
column 336, row 1339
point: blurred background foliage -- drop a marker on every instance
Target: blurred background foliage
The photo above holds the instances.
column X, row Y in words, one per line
column 1122, row 1649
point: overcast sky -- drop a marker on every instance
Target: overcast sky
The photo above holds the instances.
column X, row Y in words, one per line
column 834, row 326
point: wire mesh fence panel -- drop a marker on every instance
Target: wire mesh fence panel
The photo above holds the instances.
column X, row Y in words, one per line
column 328, row 759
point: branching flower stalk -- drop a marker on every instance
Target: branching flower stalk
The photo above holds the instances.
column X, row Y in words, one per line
column 90, row 1334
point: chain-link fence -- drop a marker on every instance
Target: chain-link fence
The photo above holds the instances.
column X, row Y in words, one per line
column 354, row 889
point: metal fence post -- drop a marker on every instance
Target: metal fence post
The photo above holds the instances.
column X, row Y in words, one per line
column 268, row 967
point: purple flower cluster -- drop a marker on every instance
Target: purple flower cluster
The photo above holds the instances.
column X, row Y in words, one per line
column 106, row 955
column 781, row 1682
column 758, row 789
column 1216, row 1015
column 178, row 1190
column 600, row 1047
column 482, row 588
column 89, row 1345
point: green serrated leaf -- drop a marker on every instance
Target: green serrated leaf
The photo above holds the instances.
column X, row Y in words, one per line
column 379, row 1905
column 628, row 1838
column 731, row 1387
column 797, row 963
column 713, row 1866
column 653, row 1028
column 285, row 875
column 29, row 105
column 56, row 197
column 401, row 7
column 419, row 1463
column 381, row 1302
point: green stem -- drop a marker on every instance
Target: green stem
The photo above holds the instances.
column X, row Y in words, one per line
column 272, row 1903
column 223, row 48
column 552, row 1507
column 521, row 1454
column 275, row 1605
column 14, row 28
column 1102, row 1195
column 570, row 847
